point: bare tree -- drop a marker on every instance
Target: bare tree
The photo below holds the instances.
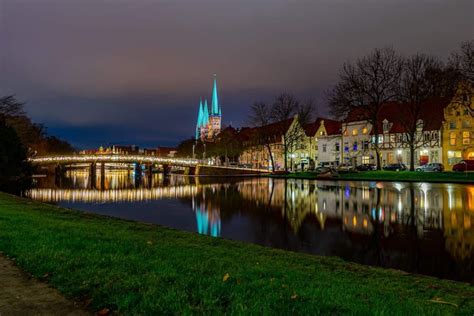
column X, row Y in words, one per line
column 420, row 82
column 284, row 107
column 260, row 116
column 368, row 83
column 462, row 70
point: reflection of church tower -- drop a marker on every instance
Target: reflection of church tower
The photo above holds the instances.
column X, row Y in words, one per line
column 209, row 122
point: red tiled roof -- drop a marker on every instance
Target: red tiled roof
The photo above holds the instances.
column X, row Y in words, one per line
column 311, row 128
column 399, row 115
column 332, row 127
column 274, row 130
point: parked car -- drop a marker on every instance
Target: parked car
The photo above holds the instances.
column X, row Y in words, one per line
column 431, row 167
column 464, row 165
column 395, row 167
column 322, row 169
column 345, row 167
column 366, row 167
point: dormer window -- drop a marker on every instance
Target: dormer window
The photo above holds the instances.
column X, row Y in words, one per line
column 386, row 126
column 419, row 124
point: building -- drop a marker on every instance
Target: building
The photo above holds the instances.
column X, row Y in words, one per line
column 260, row 141
column 355, row 138
column 328, row 140
column 458, row 134
column 394, row 135
column 209, row 120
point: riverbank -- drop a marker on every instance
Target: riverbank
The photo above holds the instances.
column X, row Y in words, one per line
column 136, row 268
column 401, row 176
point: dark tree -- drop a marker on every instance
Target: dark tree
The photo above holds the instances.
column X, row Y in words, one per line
column 33, row 136
column 368, row 83
column 15, row 171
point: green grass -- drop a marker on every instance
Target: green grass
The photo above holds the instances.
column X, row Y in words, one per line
column 412, row 176
column 136, row 268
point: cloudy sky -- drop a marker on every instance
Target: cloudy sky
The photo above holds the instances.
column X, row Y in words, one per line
column 132, row 71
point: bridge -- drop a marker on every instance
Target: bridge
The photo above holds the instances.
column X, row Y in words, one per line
column 192, row 166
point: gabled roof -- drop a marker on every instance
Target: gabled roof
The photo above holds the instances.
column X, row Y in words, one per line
column 332, row 127
column 311, row 128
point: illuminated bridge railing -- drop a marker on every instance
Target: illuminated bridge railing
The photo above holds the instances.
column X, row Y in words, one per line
column 114, row 159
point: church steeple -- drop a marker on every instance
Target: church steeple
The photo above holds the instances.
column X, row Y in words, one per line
column 199, row 120
column 205, row 117
column 215, row 109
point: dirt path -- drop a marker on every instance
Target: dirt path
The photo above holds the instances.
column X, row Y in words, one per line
column 23, row 295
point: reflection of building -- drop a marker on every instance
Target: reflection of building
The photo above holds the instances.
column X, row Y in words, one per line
column 458, row 219
column 209, row 121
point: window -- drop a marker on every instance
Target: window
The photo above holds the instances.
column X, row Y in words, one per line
column 354, row 146
column 364, row 130
column 322, row 133
column 466, row 137
column 419, row 124
column 386, row 126
column 365, row 159
column 365, row 145
column 355, row 131
column 324, row 148
column 336, row 146
column 452, row 138
column 466, row 124
column 452, row 125
column 380, row 139
column 454, row 157
column 392, row 139
column 345, row 132
column 346, row 147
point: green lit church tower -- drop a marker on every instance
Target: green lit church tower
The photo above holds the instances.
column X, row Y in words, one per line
column 209, row 120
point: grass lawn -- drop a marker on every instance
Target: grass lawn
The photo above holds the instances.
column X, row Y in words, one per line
column 412, row 176
column 136, row 268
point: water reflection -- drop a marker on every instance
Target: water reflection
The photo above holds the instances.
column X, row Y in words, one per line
column 417, row 227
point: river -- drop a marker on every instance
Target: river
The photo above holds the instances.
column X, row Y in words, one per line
column 416, row 227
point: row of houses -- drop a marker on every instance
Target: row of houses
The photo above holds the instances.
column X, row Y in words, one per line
column 444, row 134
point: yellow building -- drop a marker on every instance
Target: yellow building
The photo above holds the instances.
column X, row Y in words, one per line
column 458, row 128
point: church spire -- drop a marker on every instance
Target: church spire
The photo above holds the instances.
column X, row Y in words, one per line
column 205, row 115
column 215, row 109
column 199, row 120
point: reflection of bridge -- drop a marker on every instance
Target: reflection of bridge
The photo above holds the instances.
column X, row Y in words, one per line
column 193, row 166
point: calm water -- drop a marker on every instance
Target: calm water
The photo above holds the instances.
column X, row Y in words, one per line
column 422, row 228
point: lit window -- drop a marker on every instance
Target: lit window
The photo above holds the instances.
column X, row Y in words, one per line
column 345, row 133
column 354, row 146
column 355, row 131
column 380, row 139
column 452, row 138
column 454, row 157
column 364, row 130
column 466, row 138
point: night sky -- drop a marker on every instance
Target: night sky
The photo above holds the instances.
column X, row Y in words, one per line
column 101, row 72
